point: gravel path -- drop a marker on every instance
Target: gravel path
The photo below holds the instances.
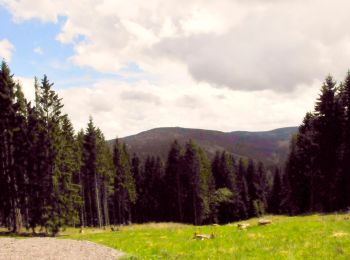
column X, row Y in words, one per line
column 54, row 249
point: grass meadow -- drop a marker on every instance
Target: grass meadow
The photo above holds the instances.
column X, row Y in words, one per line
column 302, row 237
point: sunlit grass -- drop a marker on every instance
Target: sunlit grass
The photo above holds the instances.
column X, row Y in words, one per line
column 308, row 237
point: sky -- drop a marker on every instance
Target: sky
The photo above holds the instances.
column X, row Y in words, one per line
column 135, row 65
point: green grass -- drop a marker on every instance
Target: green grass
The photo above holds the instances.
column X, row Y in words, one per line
column 307, row 237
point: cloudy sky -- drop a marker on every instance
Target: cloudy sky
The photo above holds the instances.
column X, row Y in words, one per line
column 134, row 65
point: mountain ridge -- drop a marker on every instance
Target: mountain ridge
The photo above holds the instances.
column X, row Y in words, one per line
column 270, row 147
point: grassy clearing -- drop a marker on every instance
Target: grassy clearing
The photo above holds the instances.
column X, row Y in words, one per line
column 308, row 237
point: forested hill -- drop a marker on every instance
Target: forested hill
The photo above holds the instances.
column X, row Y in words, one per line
column 267, row 146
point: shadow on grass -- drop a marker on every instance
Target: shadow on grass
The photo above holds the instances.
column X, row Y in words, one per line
column 23, row 234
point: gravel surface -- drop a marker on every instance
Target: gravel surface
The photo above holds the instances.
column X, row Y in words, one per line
column 54, row 249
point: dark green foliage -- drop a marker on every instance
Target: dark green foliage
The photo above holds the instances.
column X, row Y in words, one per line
column 90, row 178
column 37, row 162
column 197, row 172
column 52, row 178
column 174, row 182
column 57, row 165
column 344, row 100
column 276, row 196
column 124, row 185
column 152, row 194
column 317, row 167
column 11, row 120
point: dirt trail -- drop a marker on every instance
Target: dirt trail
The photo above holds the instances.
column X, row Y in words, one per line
column 54, row 249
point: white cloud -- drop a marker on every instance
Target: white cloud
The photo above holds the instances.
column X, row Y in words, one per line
column 242, row 45
column 226, row 64
column 6, row 49
column 27, row 87
column 121, row 109
column 38, row 50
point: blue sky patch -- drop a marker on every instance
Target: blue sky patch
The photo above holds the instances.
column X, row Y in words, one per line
column 51, row 56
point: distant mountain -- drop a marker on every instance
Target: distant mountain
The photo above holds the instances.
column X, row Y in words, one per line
column 270, row 147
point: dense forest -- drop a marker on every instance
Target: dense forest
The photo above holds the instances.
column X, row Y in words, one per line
column 318, row 167
column 52, row 177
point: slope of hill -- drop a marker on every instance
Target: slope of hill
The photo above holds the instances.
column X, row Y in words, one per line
column 270, row 147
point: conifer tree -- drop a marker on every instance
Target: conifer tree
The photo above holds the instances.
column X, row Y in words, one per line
column 328, row 123
column 105, row 169
column 252, row 193
column 242, row 188
column 9, row 178
column 276, row 194
column 344, row 181
column 137, row 211
column 90, row 178
column 197, row 206
column 174, row 184
column 78, row 177
column 57, row 182
column 124, row 184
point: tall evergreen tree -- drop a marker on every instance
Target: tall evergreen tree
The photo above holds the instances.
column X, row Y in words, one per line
column 197, row 173
column 91, row 180
column 57, row 205
column 344, row 178
column 9, row 182
column 124, row 184
column 276, row 195
column 328, row 123
column 174, row 184
column 252, row 193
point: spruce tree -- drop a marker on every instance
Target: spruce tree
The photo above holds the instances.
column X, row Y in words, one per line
column 328, row 123
column 276, row 195
column 9, row 182
column 57, row 180
column 197, row 174
column 252, row 193
column 344, row 180
column 124, row 184
column 174, row 184
column 89, row 177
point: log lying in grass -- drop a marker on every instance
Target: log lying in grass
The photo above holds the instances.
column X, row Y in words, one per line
column 203, row 236
column 263, row 222
column 114, row 229
column 243, row 226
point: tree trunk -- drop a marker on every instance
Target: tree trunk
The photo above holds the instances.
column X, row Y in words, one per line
column 98, row 206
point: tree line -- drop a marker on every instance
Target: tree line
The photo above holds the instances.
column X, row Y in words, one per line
column 317, row 172
column 51, row 177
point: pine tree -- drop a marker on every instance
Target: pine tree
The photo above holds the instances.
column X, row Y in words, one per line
column 20, row 152
column 174, row 184
column 69, row 192
column 328, row 123
column 57, row 205
column 197, row 174
column 252, row 193
column 124, row 184
column 9, row 182
column 241, row 183
column 276, row 194
column 137, row 211
column 261, row 189
column 344, row 101
column 35, row 160
column 89, row 177
column 105, row 170
column 78, row 176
